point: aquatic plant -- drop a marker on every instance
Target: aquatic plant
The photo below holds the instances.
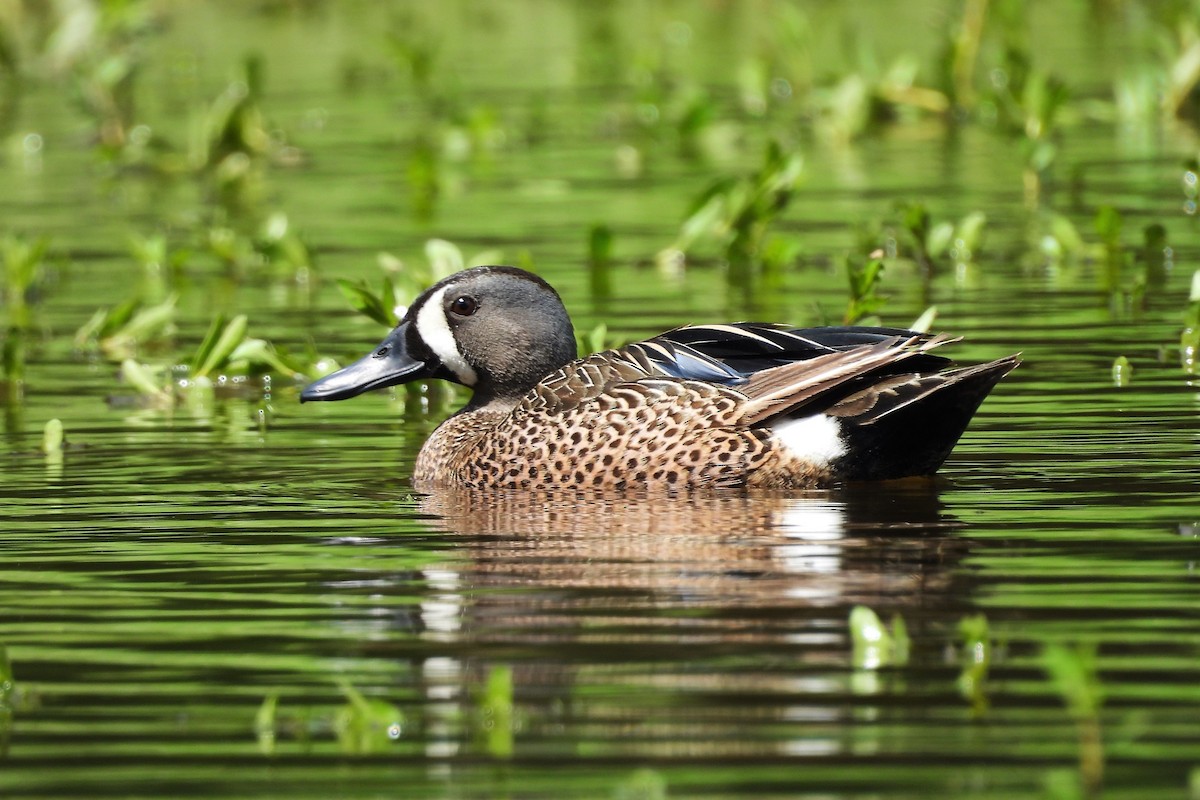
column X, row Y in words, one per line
column 403, row 281
column 932, row 240
column 864, row 278
column 361, row 726
column 1127, row 292
column 1179, row 57
column 875, row 645
column 1057, row 239
column 736, row 213
column 366, row 725
column 23, row 265
column 266, row 723
column 276, row 247
column 1189, row 340
column 600, row 261
column 1122, row 372
column 52, row 437
column 226, row 352
column 127, row 328
column 95, row 49
column 975, row 657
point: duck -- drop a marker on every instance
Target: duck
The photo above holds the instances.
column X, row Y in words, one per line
column 706, row 406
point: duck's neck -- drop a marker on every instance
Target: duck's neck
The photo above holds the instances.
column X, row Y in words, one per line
column 447, row 457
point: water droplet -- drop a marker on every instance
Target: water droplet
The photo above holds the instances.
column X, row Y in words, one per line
column 32, row 143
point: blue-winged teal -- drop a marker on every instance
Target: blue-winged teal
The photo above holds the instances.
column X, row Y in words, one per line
column 700, row 406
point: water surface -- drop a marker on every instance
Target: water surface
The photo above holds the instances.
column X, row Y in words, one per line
column 206, row 600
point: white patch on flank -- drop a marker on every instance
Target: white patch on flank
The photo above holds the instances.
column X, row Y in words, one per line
column 815, row 439
column 435, row 332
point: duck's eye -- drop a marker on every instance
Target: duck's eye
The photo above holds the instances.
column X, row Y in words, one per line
column 464, row 306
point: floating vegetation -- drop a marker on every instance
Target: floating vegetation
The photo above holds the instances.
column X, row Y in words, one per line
column 403, row 282
column 227, row 355
column 276, row 249
column 933, row 240
column 128, row 328
column 736, row 213
column 875, row 645
column 864, row 278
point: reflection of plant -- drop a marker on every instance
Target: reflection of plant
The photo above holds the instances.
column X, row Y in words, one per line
column 362, row 725
column 1073, row 671
column 975, row 656
column 496, row 719
column 874, row 644
column 1189, row 340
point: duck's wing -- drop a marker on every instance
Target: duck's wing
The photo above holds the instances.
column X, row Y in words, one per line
column 733, row 355
column 821, row 382
column 744, row 348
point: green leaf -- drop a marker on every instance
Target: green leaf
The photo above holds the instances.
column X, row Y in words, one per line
column 445, row 258
column 367, row 303
column 230, row 337
column 52, row 437
column 207, row 343
column 255, row 356
column 149, row 321
column 365, row 725
column 141, row 378
column 970, row 231
column 924, row 323
column 940, row 238
column 1108, row 225
column 1066, row 234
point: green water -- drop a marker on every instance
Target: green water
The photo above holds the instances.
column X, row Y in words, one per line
column 238, row 596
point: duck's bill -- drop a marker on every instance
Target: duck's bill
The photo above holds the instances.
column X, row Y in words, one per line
column 386, row 365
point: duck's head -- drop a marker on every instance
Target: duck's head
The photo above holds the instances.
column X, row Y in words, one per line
column 498, row 330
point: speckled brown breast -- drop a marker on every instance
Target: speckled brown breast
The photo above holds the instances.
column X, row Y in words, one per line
column 601, row 423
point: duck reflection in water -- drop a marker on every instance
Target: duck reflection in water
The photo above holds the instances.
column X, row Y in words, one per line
column 624, row 555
